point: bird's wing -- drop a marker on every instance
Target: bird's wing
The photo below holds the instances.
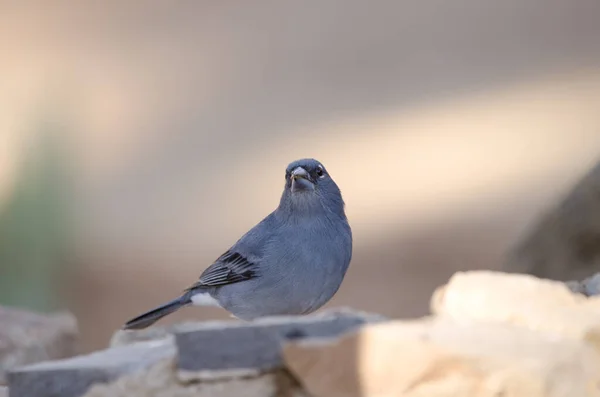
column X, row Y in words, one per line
column 236, row 264
column 229, row 268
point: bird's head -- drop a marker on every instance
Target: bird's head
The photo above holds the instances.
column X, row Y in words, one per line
column 308, row 186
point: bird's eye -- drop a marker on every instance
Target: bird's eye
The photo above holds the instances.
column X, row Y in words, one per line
column 320, row 172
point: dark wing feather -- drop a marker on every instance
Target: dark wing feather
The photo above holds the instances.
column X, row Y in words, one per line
column 229, row 268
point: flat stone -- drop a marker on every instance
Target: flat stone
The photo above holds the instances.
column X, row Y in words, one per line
column 227, row 348
column 73, row 377
column 28, row 337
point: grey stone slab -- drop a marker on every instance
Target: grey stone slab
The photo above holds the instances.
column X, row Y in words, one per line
column 591, row 285
column 73, row 377
column 576, row 287
column 588, row 287
column 249, row 347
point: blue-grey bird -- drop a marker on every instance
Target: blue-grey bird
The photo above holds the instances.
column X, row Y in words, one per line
column 291, row 263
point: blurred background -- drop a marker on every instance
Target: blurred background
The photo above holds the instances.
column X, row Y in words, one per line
column 138, row 140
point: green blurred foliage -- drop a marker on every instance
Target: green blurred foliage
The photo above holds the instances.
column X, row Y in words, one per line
column 34, row 225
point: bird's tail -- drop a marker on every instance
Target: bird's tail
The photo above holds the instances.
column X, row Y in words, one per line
column 147, row 319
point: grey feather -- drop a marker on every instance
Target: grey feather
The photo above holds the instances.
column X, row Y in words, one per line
column 230, row 267
column 292, row 262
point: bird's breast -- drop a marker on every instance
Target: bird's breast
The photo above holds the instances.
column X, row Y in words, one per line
column 314, row 252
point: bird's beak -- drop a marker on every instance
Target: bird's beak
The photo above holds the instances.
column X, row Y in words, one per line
column 301, row 180
column 300, row 172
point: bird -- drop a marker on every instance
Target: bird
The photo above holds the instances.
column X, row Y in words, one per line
column 290, row 263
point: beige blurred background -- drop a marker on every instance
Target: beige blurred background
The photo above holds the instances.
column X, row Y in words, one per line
column 138, row 140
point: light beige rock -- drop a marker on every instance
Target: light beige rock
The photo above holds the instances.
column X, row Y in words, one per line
column 27, row 338
column 440, row 358
column 161, row 381
column 522, row 300
column 488, row 290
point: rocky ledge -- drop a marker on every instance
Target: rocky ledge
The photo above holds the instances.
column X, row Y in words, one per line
column 489, row 334
column 27, row 338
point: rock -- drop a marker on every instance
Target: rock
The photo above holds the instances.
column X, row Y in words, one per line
column 27, row 338
column 496, row 292
column 124, row 338
column 588, row 287
column 442, row 358
column 73, row 377
column 224, row 348
column 576, row 287
column 147, row 362
column 3, row 391
column 156, row 332
column 565, row 243
column 160, row 381
column 522, row 300
column 591, row 285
